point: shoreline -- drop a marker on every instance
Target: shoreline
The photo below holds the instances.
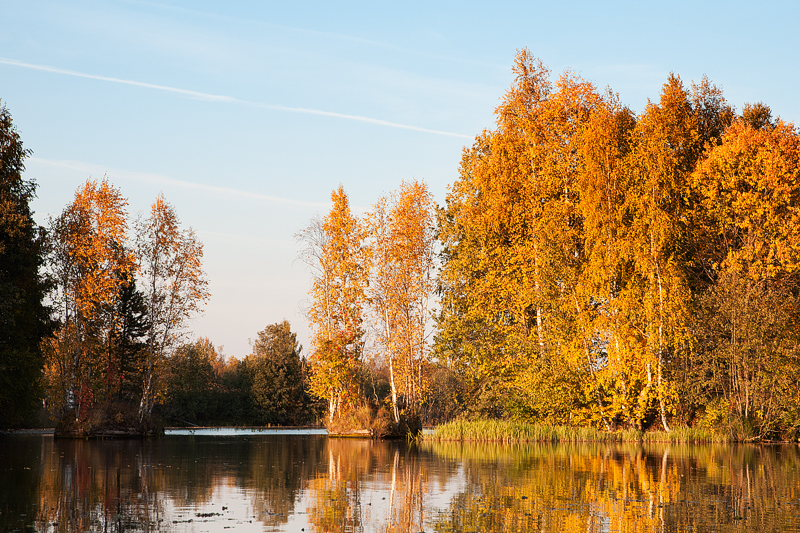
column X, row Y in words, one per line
column 482, row 431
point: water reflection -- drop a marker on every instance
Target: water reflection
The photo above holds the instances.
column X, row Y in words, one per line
column 624, row 488
column 288, row 482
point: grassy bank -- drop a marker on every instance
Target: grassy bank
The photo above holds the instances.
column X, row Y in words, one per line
column 514, row 431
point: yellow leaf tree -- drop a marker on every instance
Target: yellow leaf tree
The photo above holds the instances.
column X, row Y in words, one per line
column 514, row 252
column 749, row 194
column 402, row 230
column 667, row 144
column 339, row 259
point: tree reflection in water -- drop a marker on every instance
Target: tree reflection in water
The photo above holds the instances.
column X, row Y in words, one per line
column 289, row 482
column 372, row 486
column 624, row 488
column 158, row 484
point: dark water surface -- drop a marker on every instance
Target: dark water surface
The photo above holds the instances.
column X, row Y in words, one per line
column 281, row 481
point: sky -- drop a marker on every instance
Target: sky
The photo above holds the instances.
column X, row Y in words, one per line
column 246, row 115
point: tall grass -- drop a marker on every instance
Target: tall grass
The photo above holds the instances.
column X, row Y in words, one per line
column 683, row 434
column 517, row 431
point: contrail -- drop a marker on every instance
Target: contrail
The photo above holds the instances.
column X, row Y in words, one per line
column 56, row 70
column 229, row 99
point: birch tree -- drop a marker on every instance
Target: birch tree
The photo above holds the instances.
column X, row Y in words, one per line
column 336, row 252
column 174, row 286
column 667, row 145
column 402, row 230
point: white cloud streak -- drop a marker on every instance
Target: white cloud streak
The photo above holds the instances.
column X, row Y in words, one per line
column 228, row 99
column 91, row 169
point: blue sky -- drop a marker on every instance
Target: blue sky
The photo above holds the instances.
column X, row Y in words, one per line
column 247, row 114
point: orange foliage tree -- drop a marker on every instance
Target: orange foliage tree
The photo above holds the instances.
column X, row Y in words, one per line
column 91, row 264
column 586, row 249
column 339, row 259
column 748, row 189
column 112, row 335
column 402, row 229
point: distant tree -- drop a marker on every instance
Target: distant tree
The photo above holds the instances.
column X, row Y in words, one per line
column 193, row 383
column 236, row 402
column 24, row 319
column 275, row 369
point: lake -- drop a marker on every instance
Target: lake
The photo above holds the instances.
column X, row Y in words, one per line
column 245, row 480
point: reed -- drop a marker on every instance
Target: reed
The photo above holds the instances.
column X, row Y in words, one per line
column 488, row 430
column 683, row 434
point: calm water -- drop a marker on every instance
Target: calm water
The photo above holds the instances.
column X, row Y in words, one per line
column 247, row 481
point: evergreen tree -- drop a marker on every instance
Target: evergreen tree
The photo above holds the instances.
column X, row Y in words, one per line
column 24, row 319
column 128, row 340
column 275, row 367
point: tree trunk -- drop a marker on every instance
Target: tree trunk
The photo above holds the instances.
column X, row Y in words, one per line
column 395, row 411
column 661, row 349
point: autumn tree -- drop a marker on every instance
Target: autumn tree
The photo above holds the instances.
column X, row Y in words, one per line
column 515, row 312
column 747, row 319
column 174, row 286
column 665, row 147
column 492, row 306
column 90, row 265
column 577, row 244
column 339, row 260
column 24, row 319
column 402, row 229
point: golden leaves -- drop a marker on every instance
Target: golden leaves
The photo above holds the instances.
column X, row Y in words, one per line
column 574, row 237
column 402, row 232
column 92, row 261
column 340, row 262
column 749, row 188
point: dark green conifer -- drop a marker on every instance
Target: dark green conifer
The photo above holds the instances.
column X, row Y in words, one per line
column 24, row 319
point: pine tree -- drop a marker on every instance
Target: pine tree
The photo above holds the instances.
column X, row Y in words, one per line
column 24, row 319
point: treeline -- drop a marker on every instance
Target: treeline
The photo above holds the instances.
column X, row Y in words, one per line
column 204, row 388
column 95, row 309
column 618, row 270
column 93, row 316
column 595, row 268
column 271, row 386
